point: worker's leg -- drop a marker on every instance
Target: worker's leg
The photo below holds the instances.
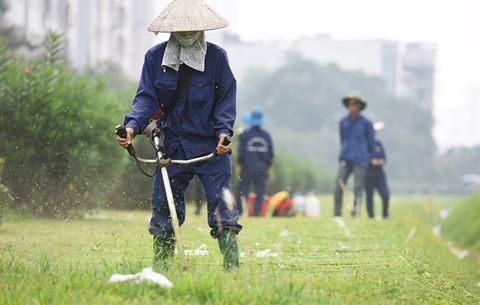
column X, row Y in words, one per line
column 260, row 181
column 370, row 185
column 222, row 216
column 160, row 223
column 341, row 181
column 384, row 192
column 359, row 186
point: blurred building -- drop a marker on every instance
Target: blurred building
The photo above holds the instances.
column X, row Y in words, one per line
column 408, row 70
column 247, row 56
column 114, row 31
column 100, row 31
column 95, row 31
column 373, row 57
column 417, row 73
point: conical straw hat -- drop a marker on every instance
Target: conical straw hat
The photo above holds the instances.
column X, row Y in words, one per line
column 187, row 15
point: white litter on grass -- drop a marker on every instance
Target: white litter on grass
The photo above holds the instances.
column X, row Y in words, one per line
column 478, row 284
column 246, row 252
column 437, row 230
column 444, row 213
column 266, row 253
column 410, row 235
column 95, row 216
column 460, row 254
column 341, row 247
column 284, row 233
column 341, row 223
column 201, row 251
column 146, row 276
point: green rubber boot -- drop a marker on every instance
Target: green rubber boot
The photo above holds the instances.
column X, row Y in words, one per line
column 163, row 252
column 228, row 243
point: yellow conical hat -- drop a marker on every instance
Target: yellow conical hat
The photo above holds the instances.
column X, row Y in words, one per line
column 185, row 16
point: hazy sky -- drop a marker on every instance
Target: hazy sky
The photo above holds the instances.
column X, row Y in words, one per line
column 453, row 24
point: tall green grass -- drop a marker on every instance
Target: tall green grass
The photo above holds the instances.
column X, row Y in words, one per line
column 463, row 224
column 69, row 262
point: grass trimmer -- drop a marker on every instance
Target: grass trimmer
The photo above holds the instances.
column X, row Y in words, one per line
column 162, row 162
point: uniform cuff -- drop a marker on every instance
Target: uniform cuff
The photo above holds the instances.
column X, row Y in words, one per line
column 132, row 124
column 223, row 131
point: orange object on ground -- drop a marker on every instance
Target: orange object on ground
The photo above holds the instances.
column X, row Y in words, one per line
column 283, row 208
column 276, row 199
column 251, row 202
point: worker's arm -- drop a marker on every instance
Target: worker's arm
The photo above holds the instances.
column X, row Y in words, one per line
column 145, row 103
column 224, row 113
column 340, row 129
column 271, row 155
column 382, row 157
column 370, row 135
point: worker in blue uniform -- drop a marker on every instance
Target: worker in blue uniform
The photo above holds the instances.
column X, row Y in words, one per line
column 255, row 158
column 357, row 139
column 191, row 81
column 376, row 177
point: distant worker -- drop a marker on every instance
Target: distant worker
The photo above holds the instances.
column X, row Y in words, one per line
column 376, row 178
column 357, row 139
column 255, row 157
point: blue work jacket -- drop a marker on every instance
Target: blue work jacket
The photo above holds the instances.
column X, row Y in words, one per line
column 255, row 151
column 378, row 153
column 357, row 139
column 208, row 111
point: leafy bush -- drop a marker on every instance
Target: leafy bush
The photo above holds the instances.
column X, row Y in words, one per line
column 56, row 133
column 299, row 175
column 5, row 197
column 132, row 189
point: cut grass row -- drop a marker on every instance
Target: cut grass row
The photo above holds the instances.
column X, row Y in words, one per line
column 55, row 262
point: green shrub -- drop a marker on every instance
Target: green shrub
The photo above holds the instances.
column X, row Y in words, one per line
column 5, row 197
column 299, row 175
column 56, row 133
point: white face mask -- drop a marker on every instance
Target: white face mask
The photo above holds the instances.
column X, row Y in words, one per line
column 186, row 39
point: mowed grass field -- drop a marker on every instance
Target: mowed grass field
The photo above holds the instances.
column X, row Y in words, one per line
column 397, row 261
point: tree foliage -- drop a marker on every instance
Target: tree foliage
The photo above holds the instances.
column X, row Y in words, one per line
column 302, row 104
column 56, row 133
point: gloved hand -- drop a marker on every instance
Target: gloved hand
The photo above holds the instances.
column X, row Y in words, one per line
column 124, row 142
column 223, row 149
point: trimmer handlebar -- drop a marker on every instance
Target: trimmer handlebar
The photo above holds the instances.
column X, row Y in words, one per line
column 121, row 131
column 227, row 141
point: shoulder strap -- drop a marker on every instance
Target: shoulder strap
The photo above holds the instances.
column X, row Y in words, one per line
column 185, row 72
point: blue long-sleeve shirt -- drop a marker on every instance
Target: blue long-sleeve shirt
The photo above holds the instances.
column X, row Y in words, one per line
column 209, row 110
column 378, row 153
column 255, row 150
column 357, row 140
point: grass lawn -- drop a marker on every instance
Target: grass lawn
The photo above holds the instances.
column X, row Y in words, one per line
column 69, row 262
